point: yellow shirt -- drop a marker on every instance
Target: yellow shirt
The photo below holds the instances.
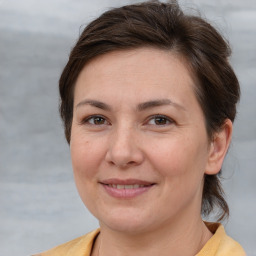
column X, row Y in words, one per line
column 219, row 245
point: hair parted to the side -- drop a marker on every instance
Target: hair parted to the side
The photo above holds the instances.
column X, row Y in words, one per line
column 164, row 26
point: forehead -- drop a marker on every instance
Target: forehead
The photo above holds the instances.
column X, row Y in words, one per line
column 134, row 69
column 135, row 76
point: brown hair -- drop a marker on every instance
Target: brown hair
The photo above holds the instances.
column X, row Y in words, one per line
column 164, row 26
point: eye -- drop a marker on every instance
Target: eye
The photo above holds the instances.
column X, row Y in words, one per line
column 95, row 120
column 160, row 120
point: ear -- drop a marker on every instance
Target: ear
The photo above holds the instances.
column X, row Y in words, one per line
column 218, row 148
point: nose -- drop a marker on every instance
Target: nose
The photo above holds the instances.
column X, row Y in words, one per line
column 124, row 149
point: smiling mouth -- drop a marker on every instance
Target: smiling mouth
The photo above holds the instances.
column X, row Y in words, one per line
column 126, row 189
column 119, row 186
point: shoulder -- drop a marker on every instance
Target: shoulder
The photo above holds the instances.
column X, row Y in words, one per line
column 228, row 246
column 220, row 243
column 80, row 246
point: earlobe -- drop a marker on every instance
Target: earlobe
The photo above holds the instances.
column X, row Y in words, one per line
column 218, row 148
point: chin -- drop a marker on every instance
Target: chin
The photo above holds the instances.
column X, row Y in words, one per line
column 126, row 221
column 126, row 227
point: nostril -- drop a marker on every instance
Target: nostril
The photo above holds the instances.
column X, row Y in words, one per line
column 123, row 155
column 124, row 165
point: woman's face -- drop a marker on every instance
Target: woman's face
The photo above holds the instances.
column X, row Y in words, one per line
column 139, row 145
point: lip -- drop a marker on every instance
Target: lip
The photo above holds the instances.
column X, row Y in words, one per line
column 112, row 188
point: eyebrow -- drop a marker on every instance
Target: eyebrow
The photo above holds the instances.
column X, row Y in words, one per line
column 158, row 103
column 140, row 107
column 94, row 103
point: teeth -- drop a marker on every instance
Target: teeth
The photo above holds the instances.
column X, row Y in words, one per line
column 126, row 186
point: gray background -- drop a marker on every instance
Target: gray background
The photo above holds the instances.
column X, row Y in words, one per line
column 39, row 205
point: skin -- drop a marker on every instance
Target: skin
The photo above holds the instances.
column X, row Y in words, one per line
column 136, row 117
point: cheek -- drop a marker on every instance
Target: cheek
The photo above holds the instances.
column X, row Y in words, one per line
column 84, row 161
column 85, row 157
column 182, row 158
column 182, row 170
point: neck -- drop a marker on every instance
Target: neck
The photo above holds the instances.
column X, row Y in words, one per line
column 181, row 239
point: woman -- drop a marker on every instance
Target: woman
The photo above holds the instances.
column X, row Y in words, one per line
column 148, row 99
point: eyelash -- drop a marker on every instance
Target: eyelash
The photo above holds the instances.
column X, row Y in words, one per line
column 94, row 117
column 164, row 118
column 167, row 119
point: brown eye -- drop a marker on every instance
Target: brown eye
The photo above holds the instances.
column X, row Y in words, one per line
column 96, row 120
column 160, row 120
